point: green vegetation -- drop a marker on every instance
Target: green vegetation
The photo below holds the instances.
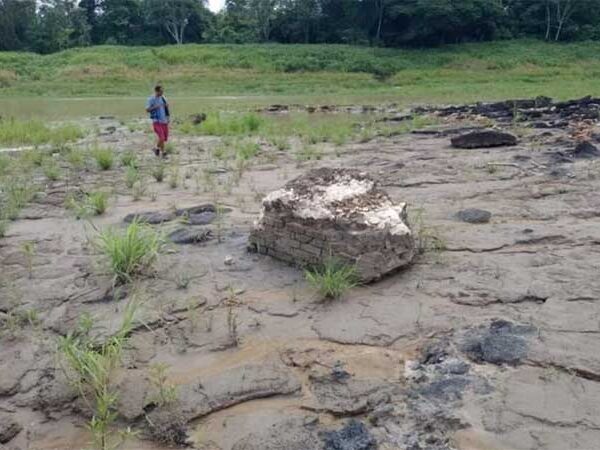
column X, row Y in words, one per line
column 104, row 157
column 332, row 279
column 324, row 73
column 130, row 252
column 166, row 393
column 34, row 132
column 128, row 159
column 132, row 176
column 90, row 368
column 158, row 171
column 98, row 202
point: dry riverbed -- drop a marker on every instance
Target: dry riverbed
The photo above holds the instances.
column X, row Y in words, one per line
column 488, row 341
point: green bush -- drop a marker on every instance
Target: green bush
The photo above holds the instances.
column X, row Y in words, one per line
column 98, row 202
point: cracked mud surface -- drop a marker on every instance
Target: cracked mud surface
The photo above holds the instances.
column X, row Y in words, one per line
column 490, row 343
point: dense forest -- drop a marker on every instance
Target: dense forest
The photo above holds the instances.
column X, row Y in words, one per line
column 46, row 26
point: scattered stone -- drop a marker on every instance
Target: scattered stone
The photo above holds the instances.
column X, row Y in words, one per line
column 474, row 215
column 502, row 342
column 151, row 218
column 228, row 260
column 9, row 428
column 184, row 236
column 353, row 436
column 339, row 213
column 484, row 139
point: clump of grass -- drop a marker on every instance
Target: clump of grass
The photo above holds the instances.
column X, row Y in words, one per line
column 333, row 279
column 138, row 189
column 247, row 150
column 128, row 159
column 166, row 393
column 98, row 202
column 33, row 157
column 226, row 125
column 18, row 191
column 308, row 153
column 174, row 177
column 91, row 368
column 104, row 157
column 158, row 171
column 428, row 238
column 130, row 252
column 132, row 175
column 76, row 158
column 51, row 170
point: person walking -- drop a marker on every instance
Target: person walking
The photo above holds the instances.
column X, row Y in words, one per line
column 158, row 108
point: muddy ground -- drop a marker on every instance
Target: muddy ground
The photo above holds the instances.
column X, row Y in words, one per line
column 488, row 342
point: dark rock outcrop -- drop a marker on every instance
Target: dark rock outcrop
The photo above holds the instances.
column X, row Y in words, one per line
column 484, row 139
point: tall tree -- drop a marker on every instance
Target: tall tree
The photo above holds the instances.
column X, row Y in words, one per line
column 17, row 21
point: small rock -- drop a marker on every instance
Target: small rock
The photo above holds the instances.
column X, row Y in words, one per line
column 484, row 139
column 474, row 215
column 9, row 428
column 228, row 260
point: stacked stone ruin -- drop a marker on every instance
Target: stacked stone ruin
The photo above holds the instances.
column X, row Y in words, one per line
column 335, row 214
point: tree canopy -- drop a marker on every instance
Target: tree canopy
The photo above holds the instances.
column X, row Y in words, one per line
column 51, row 25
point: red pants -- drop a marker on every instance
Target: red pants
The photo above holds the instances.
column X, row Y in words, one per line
column 161, row 130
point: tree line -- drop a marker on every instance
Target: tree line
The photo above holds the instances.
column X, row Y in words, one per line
column 47, row 26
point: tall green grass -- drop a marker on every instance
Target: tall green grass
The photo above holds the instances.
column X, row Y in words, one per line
column 34, row 132
column 485, row 70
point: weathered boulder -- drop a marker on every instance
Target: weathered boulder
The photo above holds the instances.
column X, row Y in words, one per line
column 484, row 139
column 335, row 213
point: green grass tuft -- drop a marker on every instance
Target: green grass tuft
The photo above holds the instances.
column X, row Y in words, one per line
column 130, row 252
column 104, row 157
column 333, row 279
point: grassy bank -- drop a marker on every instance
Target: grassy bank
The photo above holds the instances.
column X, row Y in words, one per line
column 453, row 73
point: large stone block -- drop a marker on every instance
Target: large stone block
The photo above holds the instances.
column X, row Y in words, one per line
column 346, row 213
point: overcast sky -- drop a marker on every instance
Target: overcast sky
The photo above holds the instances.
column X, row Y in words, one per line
column 215, row 5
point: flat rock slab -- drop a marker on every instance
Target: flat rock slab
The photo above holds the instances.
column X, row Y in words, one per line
column 335, row 213
column 348, row 397
column 484, row 139
column 474, row 215
column 204, row 396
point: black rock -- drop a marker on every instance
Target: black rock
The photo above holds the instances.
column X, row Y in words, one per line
column 586, row 150
column 484, row 139
column 151, row 218
column 190, row 236
column 353, row 436
column 474, row 215
column 501, row 343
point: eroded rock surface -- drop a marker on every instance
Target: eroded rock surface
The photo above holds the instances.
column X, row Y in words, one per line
column 335, row 213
